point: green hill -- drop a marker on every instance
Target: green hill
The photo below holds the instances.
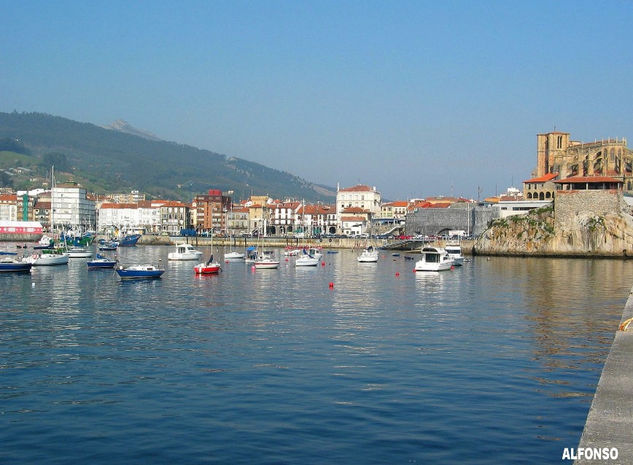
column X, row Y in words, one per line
column 106, row 160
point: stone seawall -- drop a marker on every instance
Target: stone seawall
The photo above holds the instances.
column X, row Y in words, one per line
column 582, row 224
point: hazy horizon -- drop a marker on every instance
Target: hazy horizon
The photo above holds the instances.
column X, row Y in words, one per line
column 415, row 98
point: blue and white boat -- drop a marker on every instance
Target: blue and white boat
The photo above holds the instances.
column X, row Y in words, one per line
column 13, row 265
column 101, row 262
column 139, row 272
column 129, row 240
column 108, row 245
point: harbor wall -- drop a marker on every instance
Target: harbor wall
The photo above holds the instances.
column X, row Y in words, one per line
column 610, row 419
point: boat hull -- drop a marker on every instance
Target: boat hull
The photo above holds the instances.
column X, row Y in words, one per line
column 268, row 265
column 206, row 269
column 130, row 240
column 101, row 264
column 183, row 257
column 15, row 267
column 51, row 260
column 423, row 266
column 139, row 274
column 307, row 262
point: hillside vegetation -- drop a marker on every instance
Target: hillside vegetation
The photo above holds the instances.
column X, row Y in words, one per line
column 106, row 160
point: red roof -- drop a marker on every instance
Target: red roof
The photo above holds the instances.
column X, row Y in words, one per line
column 118, row 205
column 9, row 197
column 440, row 205
column 589, row 179
column 357, row 188
column 544, row 178
column 396, row 204
column 352, row 218
column 355, row 210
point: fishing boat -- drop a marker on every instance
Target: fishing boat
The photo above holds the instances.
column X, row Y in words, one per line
column 13, row 265
column 184, row 252
column 129, row 240
column 369, row 255
column 434, row 259
column 45, row 242
column 79, row 252
column 108, row 245
column 210, row 267
column 101, row 262
column 139, row 272
column 266, row 260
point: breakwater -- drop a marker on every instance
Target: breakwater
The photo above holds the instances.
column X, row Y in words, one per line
column 610, row 420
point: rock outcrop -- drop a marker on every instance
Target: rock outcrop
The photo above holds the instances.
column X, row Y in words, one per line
column 578, row 226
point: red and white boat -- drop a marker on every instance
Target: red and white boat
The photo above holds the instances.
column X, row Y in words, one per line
column 211, row 267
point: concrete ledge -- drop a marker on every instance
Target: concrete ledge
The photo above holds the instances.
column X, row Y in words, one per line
column 610, row 418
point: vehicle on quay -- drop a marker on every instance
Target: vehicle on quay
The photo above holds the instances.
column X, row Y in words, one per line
column 434, row 259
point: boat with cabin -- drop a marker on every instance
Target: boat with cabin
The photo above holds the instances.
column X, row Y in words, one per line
column 434, row 259
column 79, row 252
column 184, row 252
column 101, row 262
column 369, row 255
column 455, row 252
column 13, row 265
column 266, row 260
column 139, row 272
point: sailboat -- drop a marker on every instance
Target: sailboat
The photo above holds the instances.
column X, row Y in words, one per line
column 210, row 267
column 233, row 255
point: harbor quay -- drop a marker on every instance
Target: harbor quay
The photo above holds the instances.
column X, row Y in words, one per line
column 608, row 433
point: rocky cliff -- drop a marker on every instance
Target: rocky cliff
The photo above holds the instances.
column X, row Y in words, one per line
column 577, row 226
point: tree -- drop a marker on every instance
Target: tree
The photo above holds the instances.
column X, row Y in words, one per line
column 57, row 159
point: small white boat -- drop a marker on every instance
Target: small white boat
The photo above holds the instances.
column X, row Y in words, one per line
column 434, row 259
column 267, row 260
column 49, row 259
column 454, row 251
column 315, row 252
column 369, row 255
column 79, row 252
column 307, row 260
column 291, row 252
column 13, row 265
column 233, row 256
column 184, row 252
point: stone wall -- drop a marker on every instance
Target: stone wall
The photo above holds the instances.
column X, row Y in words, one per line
column 570, row 205
column 434, row 221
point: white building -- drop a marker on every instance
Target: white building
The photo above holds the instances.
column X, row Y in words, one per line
column 360, row 196
column 71, row 209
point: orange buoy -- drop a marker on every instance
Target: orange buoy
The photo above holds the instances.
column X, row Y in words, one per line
column 397, row 274
column 331, row 285
column 322, row 263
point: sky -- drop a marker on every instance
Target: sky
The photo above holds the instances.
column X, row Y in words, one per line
column 418, row 98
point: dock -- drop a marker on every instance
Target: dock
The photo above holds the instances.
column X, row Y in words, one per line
column 610, row 418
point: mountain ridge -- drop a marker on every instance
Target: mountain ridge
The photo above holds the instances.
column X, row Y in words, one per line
column 112, row 160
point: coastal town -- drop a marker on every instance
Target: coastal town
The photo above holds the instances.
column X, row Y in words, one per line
column 563, row 166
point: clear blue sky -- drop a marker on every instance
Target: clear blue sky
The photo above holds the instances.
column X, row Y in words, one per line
column 418, row 98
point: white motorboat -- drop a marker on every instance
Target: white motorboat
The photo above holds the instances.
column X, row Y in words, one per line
column 315, row 252
column 454, row 251
column 49, row 259
column 184, row 252
column 307, row 260
column 292, row 252
column 79, row 252
column 369, row 255
column 267, row 260
column 234, row 256
column 434, row 259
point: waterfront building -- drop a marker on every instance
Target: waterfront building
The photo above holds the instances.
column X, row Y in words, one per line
column 511, row 207
column 8, row 207
column 258, row 214
column 174, row 216
column 585, row 183
column 237, row 221
column 557, row 153
column 541, row 188
column 318, row 219
column 71, row 208
column 396, row 209
column 209, row 211
column 283, row 217
column 42, row 213
column 362, row 197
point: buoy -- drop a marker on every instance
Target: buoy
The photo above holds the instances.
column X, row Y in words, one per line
column 226, row 261
column 397, row 274
column 331, row 285
column 322, row 263
column 253, row 267
column 413, row 270
column 286, row 259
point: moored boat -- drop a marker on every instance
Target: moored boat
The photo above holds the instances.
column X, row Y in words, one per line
column 129, row 240
column 101, row 262
column 266, row 260
column 13, row 265
column 210, row 267
column 79, row 252
column 307, row 260
column 454, row 251
column 139, row 272
column 184, row 252
column 49, row 257
column 434, row 259
column 234, row 256
column 369, row 255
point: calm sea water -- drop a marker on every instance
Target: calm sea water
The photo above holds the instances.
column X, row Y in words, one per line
column 494, row 362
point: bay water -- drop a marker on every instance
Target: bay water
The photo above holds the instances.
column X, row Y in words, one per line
column 493, row 362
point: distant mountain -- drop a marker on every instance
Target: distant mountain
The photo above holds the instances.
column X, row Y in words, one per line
column 123, row 158
column 123, row 126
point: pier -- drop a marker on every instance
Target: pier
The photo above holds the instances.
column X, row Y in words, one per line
column 610, row 418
